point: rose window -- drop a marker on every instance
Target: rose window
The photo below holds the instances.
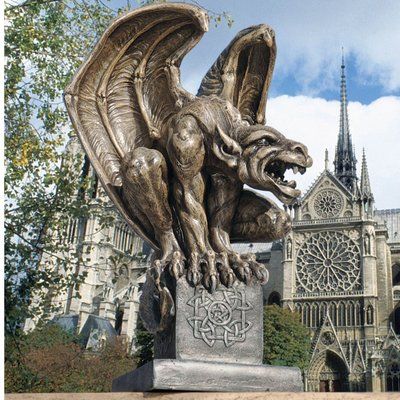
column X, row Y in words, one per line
column 328, row 262
column 328, row 203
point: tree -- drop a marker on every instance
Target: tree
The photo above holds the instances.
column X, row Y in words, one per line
column 286, row 340
column 52, row 360
column 144, row 343
column 45, row 42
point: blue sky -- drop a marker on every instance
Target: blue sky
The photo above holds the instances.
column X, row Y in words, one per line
column 306, row 82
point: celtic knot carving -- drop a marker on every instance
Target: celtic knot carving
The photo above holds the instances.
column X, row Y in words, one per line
column 328, row 262
column 220, row 316
column 328, row 203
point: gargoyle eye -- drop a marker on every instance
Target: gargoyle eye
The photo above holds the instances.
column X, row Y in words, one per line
column 266, row 141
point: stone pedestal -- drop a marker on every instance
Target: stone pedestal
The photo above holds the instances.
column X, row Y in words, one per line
column 215, row 344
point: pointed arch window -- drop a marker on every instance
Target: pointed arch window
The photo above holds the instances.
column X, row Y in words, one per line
column 396, row 274
column 322, row 312
column 332, row 313
column 314, row 315
column 350, row 314
column 306, row 315
column 341, row 314
column 393, row 378
column 298, row 308
column 357, row 319
column 370, row 315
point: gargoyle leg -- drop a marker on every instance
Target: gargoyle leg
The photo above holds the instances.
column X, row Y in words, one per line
column 258, row 220
column 145, row 190
column 186, row 151
column 222, row 202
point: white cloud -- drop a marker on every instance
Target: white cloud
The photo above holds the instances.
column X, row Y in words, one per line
column 376, row 126
column 310, row 35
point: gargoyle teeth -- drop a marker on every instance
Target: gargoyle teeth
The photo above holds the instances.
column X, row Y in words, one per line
column 276, row 171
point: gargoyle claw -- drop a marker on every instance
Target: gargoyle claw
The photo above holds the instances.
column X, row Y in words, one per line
column 210, row 274
column 210, row 281
column 193, row 276
column 260, row 272
column 240, row 267
column 243, row 272
column 226, row 275
column 176, row 265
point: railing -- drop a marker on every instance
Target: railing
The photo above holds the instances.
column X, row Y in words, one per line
column 327, row 294
column 326, row 221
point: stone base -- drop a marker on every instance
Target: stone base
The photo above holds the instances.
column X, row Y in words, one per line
column 170, row 374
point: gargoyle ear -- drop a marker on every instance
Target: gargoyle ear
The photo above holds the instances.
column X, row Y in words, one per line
column 226, row 149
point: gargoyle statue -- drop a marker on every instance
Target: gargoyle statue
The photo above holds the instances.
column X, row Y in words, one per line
column 175, row 164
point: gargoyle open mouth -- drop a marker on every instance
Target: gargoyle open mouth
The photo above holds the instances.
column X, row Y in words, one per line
column 276, row 172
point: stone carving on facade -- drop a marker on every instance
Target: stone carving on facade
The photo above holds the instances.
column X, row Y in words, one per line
column 289, row 249
column 175, row 164
column 354, row 234
column 367, row 244
column 328, row 261
column 327, row 338
column 300, row 238
column 220, row 316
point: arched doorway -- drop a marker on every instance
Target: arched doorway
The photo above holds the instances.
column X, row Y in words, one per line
column 274, row 298
column 328, row 373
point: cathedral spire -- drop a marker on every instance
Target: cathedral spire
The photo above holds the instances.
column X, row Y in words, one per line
column 366, row 191
column 345, row 160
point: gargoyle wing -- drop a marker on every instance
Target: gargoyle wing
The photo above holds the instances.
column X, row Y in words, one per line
column 129, row 85
column 243, row 72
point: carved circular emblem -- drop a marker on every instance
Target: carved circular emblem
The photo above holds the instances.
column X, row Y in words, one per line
column 220, row 316
column 328, row 261
column 219, row 313
column 328, row 203
column 327, row 338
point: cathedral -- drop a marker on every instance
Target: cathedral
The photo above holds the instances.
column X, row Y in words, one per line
column 339, row 268
column 115, row 260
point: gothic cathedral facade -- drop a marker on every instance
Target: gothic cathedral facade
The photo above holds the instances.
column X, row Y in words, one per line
column 337, row 274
